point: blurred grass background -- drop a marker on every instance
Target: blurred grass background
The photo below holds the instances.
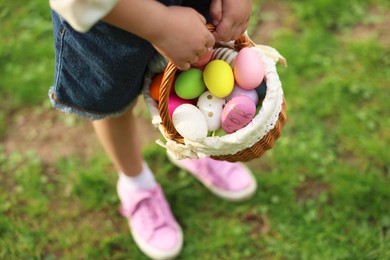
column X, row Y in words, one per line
column 323, row 190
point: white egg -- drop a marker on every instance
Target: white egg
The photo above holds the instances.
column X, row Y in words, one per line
column 211, row 107
column 189, row 122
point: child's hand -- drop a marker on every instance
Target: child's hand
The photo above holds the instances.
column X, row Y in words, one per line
column 230, row 18
column 179, row 33
column 184, row 37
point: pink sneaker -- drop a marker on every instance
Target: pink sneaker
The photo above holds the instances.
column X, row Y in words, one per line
column 151, row 222
column 230, row 181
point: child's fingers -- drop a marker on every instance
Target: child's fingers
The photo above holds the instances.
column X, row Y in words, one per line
column 224, row 31
column 183, row 66
column 209, row 40
column 202, row 18
column 216, row 11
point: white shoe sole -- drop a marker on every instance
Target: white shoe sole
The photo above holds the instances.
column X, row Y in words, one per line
column 155, row 253
column 236, row 196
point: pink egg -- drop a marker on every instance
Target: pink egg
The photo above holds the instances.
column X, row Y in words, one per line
column 203, row 60
column 175, row 101
column 237, row 113
column 248, row 69
column 237, row 90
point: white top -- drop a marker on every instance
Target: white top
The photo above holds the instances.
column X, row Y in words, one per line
column 82, row 14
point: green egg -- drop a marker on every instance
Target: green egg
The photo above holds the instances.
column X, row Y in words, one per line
column 189, row 84
column 219, row 132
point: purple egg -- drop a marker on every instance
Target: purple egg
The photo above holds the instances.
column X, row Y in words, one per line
column 237, row 90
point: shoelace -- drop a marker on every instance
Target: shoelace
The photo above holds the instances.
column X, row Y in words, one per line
column 151, row 213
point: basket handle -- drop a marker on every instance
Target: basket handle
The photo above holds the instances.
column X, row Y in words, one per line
column 167, row 82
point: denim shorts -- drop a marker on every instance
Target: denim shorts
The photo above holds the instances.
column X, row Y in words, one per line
column 100, row 73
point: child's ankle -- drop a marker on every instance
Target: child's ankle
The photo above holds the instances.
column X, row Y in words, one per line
column 144, row 180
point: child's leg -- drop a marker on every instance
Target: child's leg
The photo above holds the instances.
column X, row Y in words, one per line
column 118, row 135
column 152, row 224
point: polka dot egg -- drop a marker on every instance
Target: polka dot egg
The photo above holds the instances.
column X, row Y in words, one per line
column 211, row 107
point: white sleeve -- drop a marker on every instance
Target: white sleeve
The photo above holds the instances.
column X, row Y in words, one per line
column 82, row 14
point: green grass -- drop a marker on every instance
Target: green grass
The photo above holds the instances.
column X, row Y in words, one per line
column 26, row 52
column 323, row 189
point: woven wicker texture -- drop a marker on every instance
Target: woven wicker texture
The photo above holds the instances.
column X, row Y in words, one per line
column 247, row 154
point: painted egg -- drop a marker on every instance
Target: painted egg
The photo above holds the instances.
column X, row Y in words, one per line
column 226, row 54
column 248, row 69
column 154, row 87
column 237, row 90
column 218, row 77
column 211, row 108
column 189, row 84
column 189, row 122
column 237, row 113
column 175, row 101
column 204, row 59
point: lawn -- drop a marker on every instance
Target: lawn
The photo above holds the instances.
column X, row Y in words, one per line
column 323, row 189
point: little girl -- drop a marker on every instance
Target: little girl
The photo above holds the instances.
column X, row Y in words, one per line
column 103, row 48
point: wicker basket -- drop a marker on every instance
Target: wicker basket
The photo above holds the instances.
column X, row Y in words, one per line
column 243, row 145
